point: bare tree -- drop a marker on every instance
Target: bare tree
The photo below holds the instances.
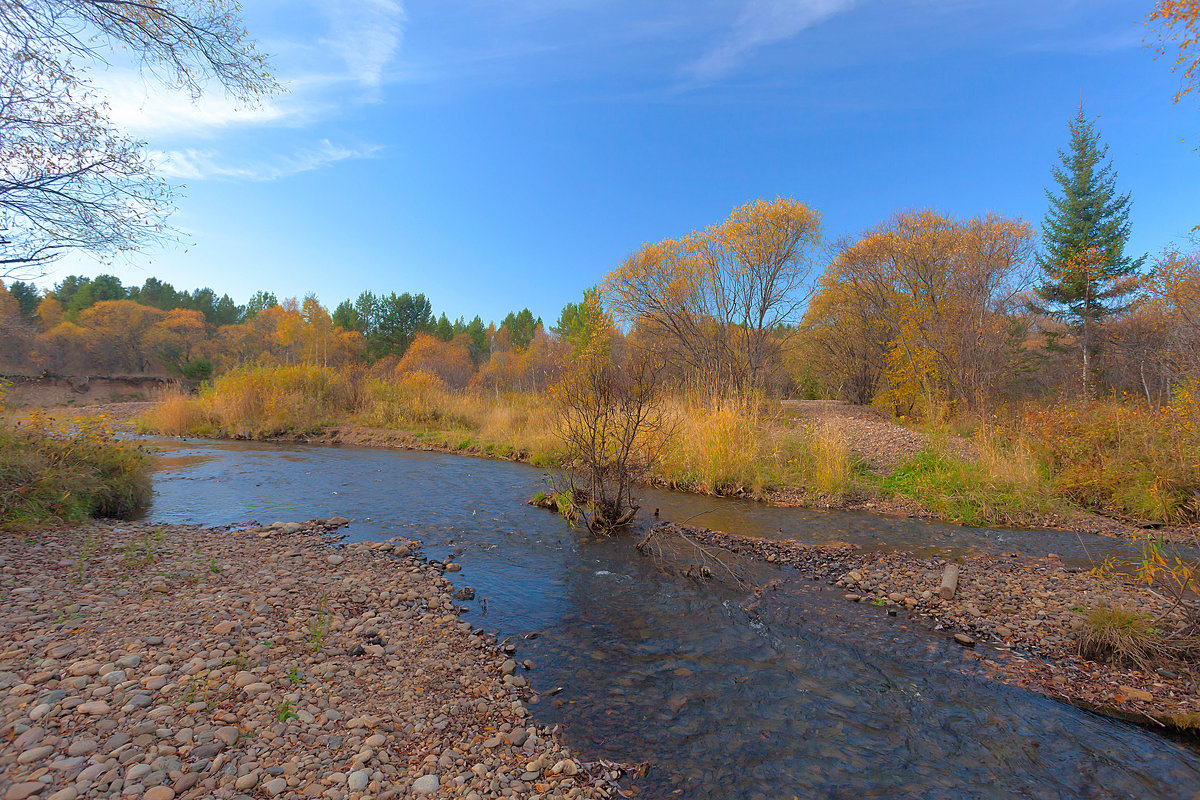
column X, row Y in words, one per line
column 68, row 178
column 612, row 426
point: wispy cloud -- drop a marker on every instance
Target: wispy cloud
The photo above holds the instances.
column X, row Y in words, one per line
column 762, row 22
column 361, row 39
column 148, row 108
column 192, row 164
column 366, row 34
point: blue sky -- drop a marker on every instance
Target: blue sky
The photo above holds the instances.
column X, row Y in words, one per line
column 499, row 154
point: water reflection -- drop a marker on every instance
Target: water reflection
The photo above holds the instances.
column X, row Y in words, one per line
column 802, row 696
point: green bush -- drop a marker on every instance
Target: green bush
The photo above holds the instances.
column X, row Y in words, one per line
column 200, row 369
column 68, row 475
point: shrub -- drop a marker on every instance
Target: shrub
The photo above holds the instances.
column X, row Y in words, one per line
column 201, row 369
column 612, row 427
column 1124, row 456
column 54, row 473
column 1113, row 633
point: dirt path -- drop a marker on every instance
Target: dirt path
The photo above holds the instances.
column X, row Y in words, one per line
column 880, row 443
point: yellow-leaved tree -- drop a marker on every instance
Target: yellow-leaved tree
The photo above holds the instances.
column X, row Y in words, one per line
column 722, row 299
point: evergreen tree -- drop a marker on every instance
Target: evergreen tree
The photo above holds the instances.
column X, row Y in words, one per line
column 226, row 312
column 346, row 317
column 400, row 318
column 27, row 297
column 366, row 305
column 521, row 327
column 444, row 329
column 1086, row 272
column 260, row 301
column 583, row 324
column 480, row 347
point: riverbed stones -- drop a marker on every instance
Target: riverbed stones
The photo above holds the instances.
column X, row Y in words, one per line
column 1024, row 613
column 239, row 683
column 425, row 785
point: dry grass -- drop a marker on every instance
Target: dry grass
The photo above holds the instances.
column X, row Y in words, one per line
column 745, row 448
column 1116, row 634
column 1122, row 455
column 717, row 447
column 178, row 414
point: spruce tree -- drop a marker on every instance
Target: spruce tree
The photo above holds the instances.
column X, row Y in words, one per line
column 1086, row 272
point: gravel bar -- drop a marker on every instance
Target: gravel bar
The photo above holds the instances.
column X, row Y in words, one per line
column 164, row 661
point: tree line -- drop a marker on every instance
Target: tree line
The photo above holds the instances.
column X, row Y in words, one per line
column 923, row 311
column 97, row 325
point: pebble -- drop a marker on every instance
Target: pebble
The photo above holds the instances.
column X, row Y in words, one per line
column 358, row 780
column 20, row 791
column 426, row 784
column 239, row 683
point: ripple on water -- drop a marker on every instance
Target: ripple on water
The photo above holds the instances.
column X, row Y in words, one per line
column 802, row 696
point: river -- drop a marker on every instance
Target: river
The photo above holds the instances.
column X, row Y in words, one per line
column 805, row 696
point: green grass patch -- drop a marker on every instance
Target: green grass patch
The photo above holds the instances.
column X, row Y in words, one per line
column 68, row 476
column 969, row 493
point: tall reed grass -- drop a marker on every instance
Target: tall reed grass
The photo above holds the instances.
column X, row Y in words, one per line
column 731, row 447
column 68, row 472
column 1123, row 456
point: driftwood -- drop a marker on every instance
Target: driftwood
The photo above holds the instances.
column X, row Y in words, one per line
column 667, row 542
column 949, row 582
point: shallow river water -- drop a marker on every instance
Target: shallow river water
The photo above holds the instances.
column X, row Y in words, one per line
column 806, row 696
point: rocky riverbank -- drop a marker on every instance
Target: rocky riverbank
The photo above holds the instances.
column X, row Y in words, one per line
column 1019, row 617
column 170, row 661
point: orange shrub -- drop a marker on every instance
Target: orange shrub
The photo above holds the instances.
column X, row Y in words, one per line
column 449, row 361
column 1123, row 455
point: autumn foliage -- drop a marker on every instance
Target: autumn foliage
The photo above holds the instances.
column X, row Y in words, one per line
column 1177, row 26
column 720, row 300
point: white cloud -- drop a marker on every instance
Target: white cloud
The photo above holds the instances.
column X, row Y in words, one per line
column 145, row 107
column 762, row 22
column 192, row 164
column 365, row 34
